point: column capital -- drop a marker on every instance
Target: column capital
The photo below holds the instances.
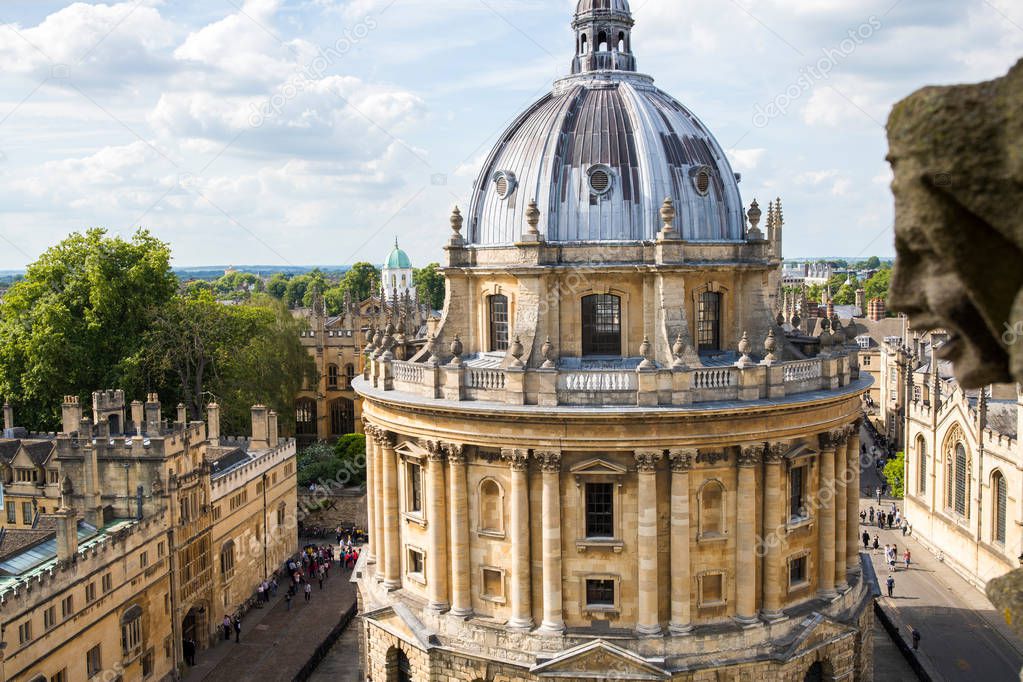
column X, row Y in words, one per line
column 776, row 452
column 518, row 459
column 384, row 438
column 455, row 452
column 832, row 439
column 682, row 459
column 646, row 460
column 751, row 454
column 853, row 430
column 549, row 460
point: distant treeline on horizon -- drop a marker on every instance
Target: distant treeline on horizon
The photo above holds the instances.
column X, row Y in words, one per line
column 214, row 272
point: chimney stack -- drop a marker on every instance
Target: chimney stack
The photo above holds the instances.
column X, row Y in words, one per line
column 67, row 533
column 182, row 414
column 8, row 417
column 138, row 416
column 274, row 436
column 877, row 309
column 153, row 414
column 71, row 415
column 861, row 301
column 260, row 439
column 213, row 424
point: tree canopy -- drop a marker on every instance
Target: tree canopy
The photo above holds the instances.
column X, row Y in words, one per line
column 79, row 313
column 430, row 284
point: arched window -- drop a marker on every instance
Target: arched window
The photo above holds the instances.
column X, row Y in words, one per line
column 332, row 376
column 497, row 310
column 602, row 42
column 921, row 459
column 349, row 375
column 962, row 481
column 602, row 324
column 398, row 668
column 708, row 327
column 584, row 46
column 131, row 631
column 305, row 417
column 227, row 560
column 621, row 41
column 1000, row 493
column 491, row 507
column 712, row 509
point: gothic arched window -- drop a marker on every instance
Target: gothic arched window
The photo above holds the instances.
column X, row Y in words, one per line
column 921, row 458
column 1000, row 493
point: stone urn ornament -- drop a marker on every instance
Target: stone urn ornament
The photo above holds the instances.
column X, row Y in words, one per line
column 516, row 351
column 745, row 346
column 677, row 349
column 431, row 348
column 456, row 352
column 644, row 350
column 770, row 346
column 547, row 352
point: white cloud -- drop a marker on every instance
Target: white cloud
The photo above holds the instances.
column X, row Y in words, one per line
column 746, row 160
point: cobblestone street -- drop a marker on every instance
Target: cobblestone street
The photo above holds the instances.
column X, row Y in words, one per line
column 962, row 636
column 276, row 642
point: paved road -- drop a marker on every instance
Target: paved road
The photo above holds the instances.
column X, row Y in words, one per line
column 276, row 642
column 342, row 663
column 963, row 637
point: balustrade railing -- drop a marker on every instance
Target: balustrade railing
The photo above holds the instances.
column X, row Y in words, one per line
column 715, row 378
column 801, row 371
column 485, row 379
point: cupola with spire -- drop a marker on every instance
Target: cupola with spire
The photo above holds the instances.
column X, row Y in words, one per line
column 603, row 36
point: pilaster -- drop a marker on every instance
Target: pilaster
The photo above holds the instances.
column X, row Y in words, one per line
column 461, row 600
column 681, row 580
column 745, row 540
column 648, row 622
column 549, row 462
column 521, row 580
column 773, row 532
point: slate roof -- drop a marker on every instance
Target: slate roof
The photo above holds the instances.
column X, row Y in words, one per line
column 8, row 449
column 39, row 451
column 228, row 461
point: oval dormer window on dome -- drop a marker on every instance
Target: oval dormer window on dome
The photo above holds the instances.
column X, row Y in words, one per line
column 504, row 183
column 601, row 179
column 701, row 179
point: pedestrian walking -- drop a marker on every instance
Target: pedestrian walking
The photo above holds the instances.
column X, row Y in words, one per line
column 878, row 491
column 906, row 558
column 905, row 528
column 915, row 634
column 287, row 600
column 891, row 587
column 308, row 592
column 260, row 592
column 866, row 540
column 876, row 544
column 237, row 630
column 863, row 516
column 188, row 649
column 226, row 624
column 871, row 515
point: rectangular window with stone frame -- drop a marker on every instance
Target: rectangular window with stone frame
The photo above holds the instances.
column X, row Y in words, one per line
column 798, row 484
column 415, row 567
column 413, row 488
column 712, row 589
column 799, row 576
column 600, row 510
column 600, row 593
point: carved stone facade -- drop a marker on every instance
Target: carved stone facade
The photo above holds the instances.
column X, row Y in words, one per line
column 651, row 483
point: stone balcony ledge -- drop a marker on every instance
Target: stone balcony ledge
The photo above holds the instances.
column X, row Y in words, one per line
column 580, row 391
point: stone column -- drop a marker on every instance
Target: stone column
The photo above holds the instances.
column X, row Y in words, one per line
column 378, row 506
column 648, row 621
column 461, row 578
column 841, row 509
column 852, row 499
column 774, row 532
column 826, row 510
column 550, row 465
column 745, row 538
column 371, row 495
column 437, row 526
column 521, row 599
column 390, row 531
column 681, row 580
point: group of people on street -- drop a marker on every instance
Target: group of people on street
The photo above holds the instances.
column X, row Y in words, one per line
column 891, row 519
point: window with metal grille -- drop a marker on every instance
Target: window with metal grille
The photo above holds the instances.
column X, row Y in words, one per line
column 1001, row 502
column 962, row 482
column 332, row 376
column 602, row 325
column 797, row 493
column 599, row 510
column 921, row 449
column 708, row 329
column 498, row 305
column 305, row 417
column 600, row 592
column 949, row 481
column 415, row 487
column 702, row 182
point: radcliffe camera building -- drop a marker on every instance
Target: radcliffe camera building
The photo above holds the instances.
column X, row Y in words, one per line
column 610, row 460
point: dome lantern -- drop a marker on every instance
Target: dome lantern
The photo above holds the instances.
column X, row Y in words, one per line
column 603, row 36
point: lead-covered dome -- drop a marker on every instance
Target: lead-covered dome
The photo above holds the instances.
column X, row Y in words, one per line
column 601, row 153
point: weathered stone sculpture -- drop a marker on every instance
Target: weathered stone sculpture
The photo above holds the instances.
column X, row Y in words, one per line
column 957, row 154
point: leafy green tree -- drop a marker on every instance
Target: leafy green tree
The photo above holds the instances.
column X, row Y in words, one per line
column 277, row 286
column 363, row 280
column 316, row 284
column 878, row 285
column 872, row 263
column 342, row 464
column 430, row 284
column 895, row 473
column 295, row 292
column 80, row 311
column 199, row 288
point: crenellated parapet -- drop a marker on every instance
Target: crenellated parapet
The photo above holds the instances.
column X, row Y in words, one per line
column 222, row 486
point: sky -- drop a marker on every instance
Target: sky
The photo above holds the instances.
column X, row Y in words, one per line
column 299, row 132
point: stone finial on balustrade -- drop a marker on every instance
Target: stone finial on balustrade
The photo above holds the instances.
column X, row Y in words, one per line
column 837, row 333
column 780, row 319
column 668, row 215
column 754, row 214
column 745, row 346
column 547, row 352
column 378, row 343
column 770, row 346
column 825, row 337
column 431, row 348
column 677, row 349
column 516, row 351
column 456, row 352
column 644, row 350
column 532, row 235
column 456, row 241
column 388, row 343
column 369, row 340
column 796, row 321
